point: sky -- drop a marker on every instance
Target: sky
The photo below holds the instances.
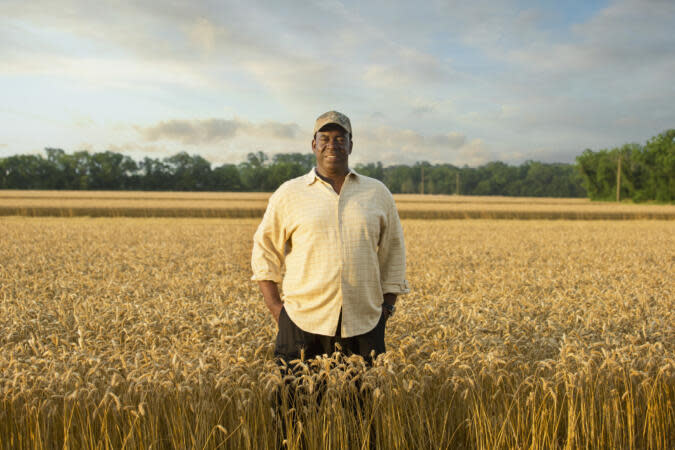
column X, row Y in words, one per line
column 439, row 81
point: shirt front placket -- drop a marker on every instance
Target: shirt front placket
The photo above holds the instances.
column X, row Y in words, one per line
column 341, row 243
column 339, row 222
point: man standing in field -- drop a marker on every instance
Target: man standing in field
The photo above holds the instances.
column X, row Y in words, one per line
column 334, row 239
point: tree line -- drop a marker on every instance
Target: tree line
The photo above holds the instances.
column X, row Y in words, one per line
column 647, row 173
column 183, row 172
column 642, row 172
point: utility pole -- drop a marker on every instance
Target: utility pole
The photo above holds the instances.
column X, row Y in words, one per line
column 457, row 187
column 618, row 180
column 422, row 180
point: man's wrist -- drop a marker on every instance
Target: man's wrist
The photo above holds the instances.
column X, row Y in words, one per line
column 388, row 309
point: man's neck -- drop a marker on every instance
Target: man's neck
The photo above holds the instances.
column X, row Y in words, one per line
column 335, row 180
column 331, row 176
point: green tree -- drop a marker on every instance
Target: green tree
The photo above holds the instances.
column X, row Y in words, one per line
column 109, row 170
column 189, row 172
column 73, row 168
column 656, row 166
column 253, row 172
column 599, row 173
column 285, row 166
column 401, row 179
column 24, row 172
column 226, row 178
column 155, row 175
column 647, row 172
column 303, row 160
column 76, row 170
column 442, row 179
column 373, row 170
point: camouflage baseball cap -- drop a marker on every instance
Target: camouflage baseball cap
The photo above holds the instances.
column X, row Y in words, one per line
column 333, row 117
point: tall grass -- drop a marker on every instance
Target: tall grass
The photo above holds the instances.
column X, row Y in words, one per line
column 583, row 402
column 128, row 333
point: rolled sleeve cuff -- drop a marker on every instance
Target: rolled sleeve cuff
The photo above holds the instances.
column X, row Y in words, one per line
column 266, row 276
column 396, row 288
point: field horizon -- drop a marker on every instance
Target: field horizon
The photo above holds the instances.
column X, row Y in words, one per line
column 253, row 204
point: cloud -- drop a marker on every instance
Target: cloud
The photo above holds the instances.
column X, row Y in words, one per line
column 191, row 132
column 203, row 34
column 450, row 140
column 138, row 147
column 86, row 146
column 474, row 154
column 106, row 72
column 208, row 131
column 536, row 80
column 604, row 80
column 397, row 146
column 615, row 42
column 409, row 67
column 627, row 37
column 83, row 120
column 390, row 136
column 423, row 108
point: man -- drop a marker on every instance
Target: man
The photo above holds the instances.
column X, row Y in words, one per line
column 338, row 236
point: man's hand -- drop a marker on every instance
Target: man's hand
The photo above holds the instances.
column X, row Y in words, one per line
column 389, row 299
column 276, row 311
column 270, row 292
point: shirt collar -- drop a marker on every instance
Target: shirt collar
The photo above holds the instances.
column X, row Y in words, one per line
column 311, row 176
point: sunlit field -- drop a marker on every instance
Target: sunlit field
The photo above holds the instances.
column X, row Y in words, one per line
column 147, row 333
column 233, row 205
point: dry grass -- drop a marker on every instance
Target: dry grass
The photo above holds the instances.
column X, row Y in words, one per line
column 146, row 333
column 249, row 204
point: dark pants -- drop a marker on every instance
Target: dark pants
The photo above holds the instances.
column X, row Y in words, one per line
column 294, row 343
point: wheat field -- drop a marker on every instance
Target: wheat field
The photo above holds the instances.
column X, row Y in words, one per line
column 147, row 333
column 252, row 205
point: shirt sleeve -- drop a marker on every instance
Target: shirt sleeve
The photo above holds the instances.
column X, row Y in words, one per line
column 391, row 253
column 269, row 243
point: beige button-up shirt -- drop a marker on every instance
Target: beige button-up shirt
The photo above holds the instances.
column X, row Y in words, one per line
column 332, row 252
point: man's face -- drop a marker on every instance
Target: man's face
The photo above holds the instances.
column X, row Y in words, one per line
column 332, row 146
